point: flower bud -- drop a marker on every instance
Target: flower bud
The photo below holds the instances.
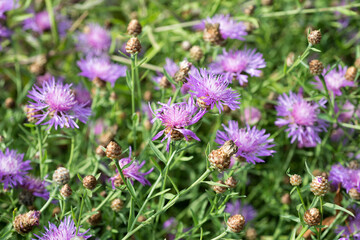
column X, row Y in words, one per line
column 249, row 10
column 196, row 53
column 236, row 223
column 351, row 73
column 295, row 180
column 316, row 67
column 251, row 234
column 9, row 103
column 319, row 186
column 98, row 82
column 99, row 151
column 164, row 82
column 231, row 182
column 353, row 164
column 89, row 182
column 220, row 158
column 117, row 204
column 219, row 189
column 24, row 223
column 285, row 199
column 133, row 46
column 39, row 66
column 354, row 194
column 183, row 72
column 212, row 34
column 66, row 191
column 186, row 45
column 141, row 219
column 61, row 176
column 312, row 217
column 134, row 28
column 314, row 37
column 113, row 151
column 357, row 63
column 95, row 218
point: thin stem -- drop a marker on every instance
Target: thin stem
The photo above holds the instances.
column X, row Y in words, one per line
column 40, row 152
column 301, row 199
column 71, row 152
column 329, row 97
column 321, row 217
column 80, row 213
column 50, row 11
column 50, row 199
column 303, row 231
column 133, row 66
column 137, row 79
column 63, row 209
column 220, row 236
column 100, row 205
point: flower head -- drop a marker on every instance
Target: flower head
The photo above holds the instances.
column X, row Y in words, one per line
column 334, row 80
column 36, row 186
column 132, row 172
column 57, row 101
column 95, row 40
column 251, row 115
column 7, row 5
column 244, row 209
column 82, row 95
column 235, row 64
column 66, row 230
column 338, row 175
column 13, row 169
column 251, row 142
column 352, row 228
column 101, row 68
column 229, row 28
column 211, row 90
column 176, row 117
column 301, row 117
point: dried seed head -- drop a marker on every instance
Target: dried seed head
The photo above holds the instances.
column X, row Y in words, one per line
column 39, row 66
column 202, row 104
column 56, row 211
column 312, row 217
column 186, row 45
column 316, row 67
column 230, row 148
column 353, row 164
column 133, row 46
column 212, row 34
column 251, row 234
column 314, row 37
column 26, row 198
column 220, row 158
column 175, row 134
column 236, row 223
column 196, row 53
column 290, row 59
column 295, row 180
column 219, row 189
column 164, row 83
column 147, row 95
column 249, row 10
column 24, row 223
column 183, row 72
column 99, row 151
column 9, row 103
column 285, row 199
column 357, row 63
column 141, row 218
column 354, row 194
column 61, row 176
column 113, row 151
column 351, row 73
column 117, row 204
column 89, row 182
column 319, row 186
column 134, row 28
column 231, row 182
column 66, row 191
column 95, row 218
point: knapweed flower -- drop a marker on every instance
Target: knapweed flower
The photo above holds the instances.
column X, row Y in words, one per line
column 36, row 187
column 301, row 118
column 101, row 68
column 234, row 65
column 347, row 112
column 352, row 228
column 95, row 40
column 229, row 28
column 66, row 230
column 244, row 209
column 7, row 5
column 82, row 95
column 251, row 142
column 57, row 101
column 334, row 80
column 176, row 117
column 13, row 169
column 170, row 67
column 211, row 89
column 338, row 175
column 251, row 115
column 132, row 172
column 170, row 227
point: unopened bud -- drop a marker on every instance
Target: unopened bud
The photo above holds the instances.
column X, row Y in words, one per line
column 61, row 176
column 236, row 223
column 351, row 73
column 24, row 223
column 134, row 28
column 314, row 37
column 133, row 46
column 89, row 182
column 113, row 150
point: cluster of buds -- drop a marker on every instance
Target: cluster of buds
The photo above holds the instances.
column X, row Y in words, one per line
column 113, row 151
column 220, row 158
column 295, row 180
column 89, row 182
column 134, row 28
column 236, row 223
column 183, row 72
column 316, row 67
column 133, row 46
column 61, row 176
column 212, row 34
column 24, row 223
column 314, row 37
column 312, row 217
column 66, row 191
column 351, row 73
column 319, row 186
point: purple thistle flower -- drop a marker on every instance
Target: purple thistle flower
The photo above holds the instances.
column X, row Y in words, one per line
column 301, row 117
column 132, row 172
column 334, row 80
column 229, row 28
column 102, row 68
column 13, row 169
column 234, row 64
column 348, row 178
column 170, row 67
column 82, row 95
column 352, row 228
column 175, row 117
column 7, row 5
column 36, row 186
column 347, row 112
column 66, row 231
column 244, row 209
column 251, row 115
column 95, row 40
column 252, row 143
column 212, row 90
column 57, row 100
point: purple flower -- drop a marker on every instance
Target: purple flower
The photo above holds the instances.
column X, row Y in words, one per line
column 301, row 118
column 251, row 115
column 170, row 227
column 66, row 231
column 348, row 178
column 13, row 169
column 170, row 67
column 244, row 209
column 57, row 101
column 132, row 172
column 229, row 28
column 252, row 143
column 211, row 90
column 334, row 80
column 36, row 186
column 352, row 228
column 175, row 117
column 95, row 40
column 82, row 95
column 235, row 64
column 7, row 5
column 102, row 68
column 347, row 112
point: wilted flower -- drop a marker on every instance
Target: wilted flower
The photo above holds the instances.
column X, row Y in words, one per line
column 132, row 172
column 352, row 228
column 244, row 209
column 101, row 68
column 302, row 119
column 251, row 142
column 95, row 40
column 66, row 230
column 57, row 101
column 334, row 80
column 251, row 115
column 13, row 169
column 175, row 117
column 234, row 65
column 7, row 5
column 211, row 90
column 36, row 187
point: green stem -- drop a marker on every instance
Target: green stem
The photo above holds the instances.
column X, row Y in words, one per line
column 220, row 236
column 303, row 231
column 100, row 205
column 63, row 209
column 50, row 11
column 330, row 99
column 71, row 152
column 80, row 213
column 137, row 79
column 301, row 199
column 321, row 219
column 50, row 199
column 40, row 152
column 133, row 66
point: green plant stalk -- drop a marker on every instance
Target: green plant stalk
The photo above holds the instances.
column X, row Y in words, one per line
column 301, row 199
column 321, row 217
column 50, row 10
column 330, row 99
column 224, row 202
column 71, row 157
column 80, row 213
column 40, row 152
column 303, row 231
column 220, row 236
column 169, row 204
column 100, row 205
column 137, row 79
column 50, row 199
column 133, row 66
column 63, row 208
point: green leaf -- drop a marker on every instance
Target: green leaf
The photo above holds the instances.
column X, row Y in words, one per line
column 80, row 178
column 169, row 196
column 160, row 193
column 337, row 207
column 346, row 12
column 308, row 169
column 315, row 49
column 215, row 183
column 291, row 218
column 159, row 154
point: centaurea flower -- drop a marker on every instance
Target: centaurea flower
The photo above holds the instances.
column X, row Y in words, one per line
column 95, row 40
column 7, row 5
column 36, row 187
column 244, row 209
column 352, row 228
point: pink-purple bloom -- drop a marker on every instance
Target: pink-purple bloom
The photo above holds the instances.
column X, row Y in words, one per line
column 213, row 90
column 66, row 230
column 57, row 101
column 352, row 229
column 301, row 118
column 102, row 68
column 176, row 117
column 235, row 65
column 132, row 171
column 95, row 40
column 7, row 5
column 346, row 177
column 229, row 28
column 13, row 169
column 251, row 115
column 82, row 95
column 244, row 209
column 252, row 143
column 36, row 187
column 335, row 80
